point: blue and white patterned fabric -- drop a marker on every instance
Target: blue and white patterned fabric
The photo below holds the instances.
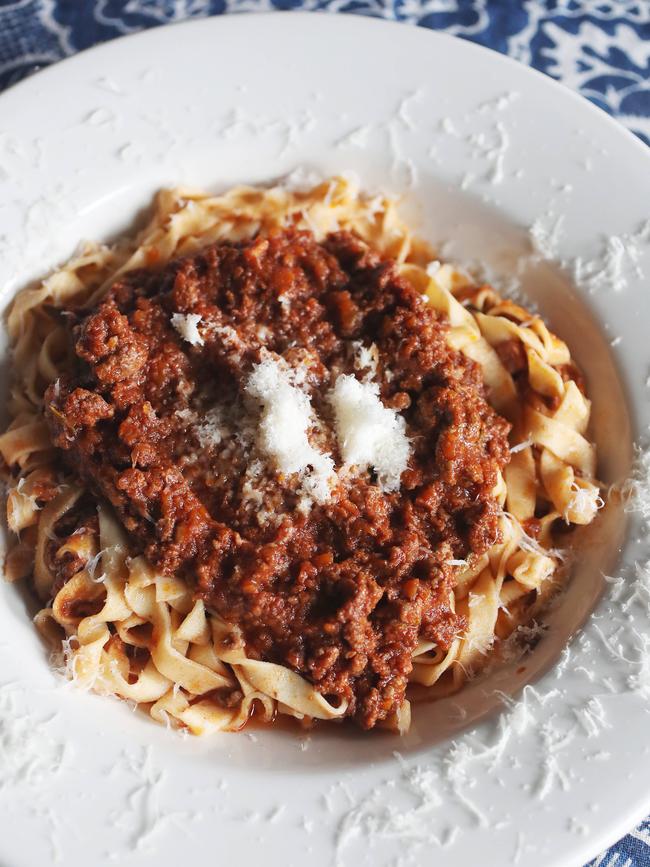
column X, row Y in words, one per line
column 601, row 49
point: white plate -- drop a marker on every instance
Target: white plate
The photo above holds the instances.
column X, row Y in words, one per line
column 550, row 781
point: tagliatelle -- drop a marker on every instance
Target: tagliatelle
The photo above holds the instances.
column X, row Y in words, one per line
column 131, row 632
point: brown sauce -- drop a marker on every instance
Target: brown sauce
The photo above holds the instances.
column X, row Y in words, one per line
column 343, row 593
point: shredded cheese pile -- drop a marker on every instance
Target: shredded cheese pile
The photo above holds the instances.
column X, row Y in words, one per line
column 285, row 421
column 370, row 435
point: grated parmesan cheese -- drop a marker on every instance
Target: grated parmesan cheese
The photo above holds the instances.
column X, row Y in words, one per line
column 285, row 421
column 636, row 490
column 403, row 113
column 187, row 416
column 358, row 137
column 521, row 446
column 545, row 234
column 366, row 358
column 369, row 434
column 91, row 567
column 211, row 429
column 187, row 326
column 586, row 501
column 528, row 543
column 618, row 261
column 447, row 126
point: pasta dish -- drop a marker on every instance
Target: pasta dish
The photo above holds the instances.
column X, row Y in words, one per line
column 270, row 456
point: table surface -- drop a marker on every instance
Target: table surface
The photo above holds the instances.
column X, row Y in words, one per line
column 600, row 49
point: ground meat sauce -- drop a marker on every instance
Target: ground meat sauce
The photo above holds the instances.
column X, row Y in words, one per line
column 341, row 592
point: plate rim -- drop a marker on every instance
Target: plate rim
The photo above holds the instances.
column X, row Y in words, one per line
column 357, row 17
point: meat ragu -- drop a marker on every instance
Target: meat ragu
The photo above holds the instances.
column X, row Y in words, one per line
column 339, row 589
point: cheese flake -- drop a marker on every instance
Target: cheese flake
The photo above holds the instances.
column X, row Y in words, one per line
column 366, row 358
column 211, row 428
column 187, row 326
column 369, row 434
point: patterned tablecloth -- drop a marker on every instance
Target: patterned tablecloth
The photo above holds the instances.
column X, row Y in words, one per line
column 601, row 49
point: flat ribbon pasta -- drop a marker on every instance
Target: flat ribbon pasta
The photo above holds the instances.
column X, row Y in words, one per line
column 142, row 636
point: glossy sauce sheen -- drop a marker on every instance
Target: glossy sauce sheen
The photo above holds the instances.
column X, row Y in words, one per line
column 343, row 593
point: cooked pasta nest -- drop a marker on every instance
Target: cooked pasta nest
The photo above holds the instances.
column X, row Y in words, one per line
column 180, row 652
